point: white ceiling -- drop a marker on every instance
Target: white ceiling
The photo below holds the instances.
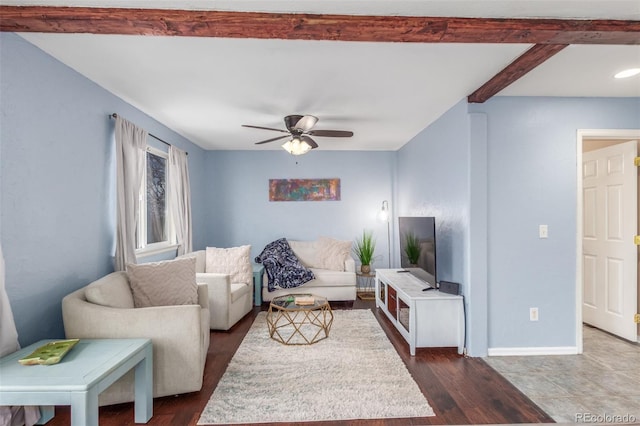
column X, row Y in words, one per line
column 206, row 88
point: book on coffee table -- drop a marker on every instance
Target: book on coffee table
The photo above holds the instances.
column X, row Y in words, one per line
column 305, row 300
column 49, row 353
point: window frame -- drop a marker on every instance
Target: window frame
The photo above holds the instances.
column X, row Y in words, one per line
column 142, row 247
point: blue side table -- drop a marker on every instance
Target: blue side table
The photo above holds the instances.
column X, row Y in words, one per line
column 88, row 369
column 258, row 272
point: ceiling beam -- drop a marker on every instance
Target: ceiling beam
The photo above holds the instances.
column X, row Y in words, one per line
column 515, row 70
column 549, row 35
column 164, row 22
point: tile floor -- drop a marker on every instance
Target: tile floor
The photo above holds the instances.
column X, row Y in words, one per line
column 594, row 387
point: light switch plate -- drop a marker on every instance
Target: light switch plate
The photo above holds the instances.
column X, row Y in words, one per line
column 543, row 231
column 533, row 314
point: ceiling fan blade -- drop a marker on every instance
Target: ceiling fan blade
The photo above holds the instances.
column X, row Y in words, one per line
column 310, row 141
column 290, row 121
column 306, row 123
column 272, row 139
column 331, row 133
column 265, row 128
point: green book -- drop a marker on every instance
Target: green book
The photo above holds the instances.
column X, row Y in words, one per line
column 50, row 353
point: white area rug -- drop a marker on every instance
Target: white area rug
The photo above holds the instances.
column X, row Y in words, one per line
column 354, row 374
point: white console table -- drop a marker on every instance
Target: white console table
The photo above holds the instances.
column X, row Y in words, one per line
column 423, row 318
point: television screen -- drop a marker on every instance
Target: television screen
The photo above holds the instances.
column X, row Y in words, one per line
column 418, row 247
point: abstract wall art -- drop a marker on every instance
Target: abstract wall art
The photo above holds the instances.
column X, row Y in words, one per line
column 304, row 189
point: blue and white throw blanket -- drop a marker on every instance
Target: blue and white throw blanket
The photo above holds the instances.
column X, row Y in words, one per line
column 283, row 267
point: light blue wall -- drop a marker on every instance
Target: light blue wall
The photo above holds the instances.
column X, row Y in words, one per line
column 491, row 173
column 433, row 180
column 57, row 212
column 240, row 212
column 531, row 181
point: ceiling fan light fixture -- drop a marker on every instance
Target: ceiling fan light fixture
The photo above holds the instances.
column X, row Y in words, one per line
column 299, row 127
column 296, row 146
column 627, row 73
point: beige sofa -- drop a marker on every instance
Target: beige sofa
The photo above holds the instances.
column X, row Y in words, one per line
column 335, row 285
column 179, row 334
column 228, row 301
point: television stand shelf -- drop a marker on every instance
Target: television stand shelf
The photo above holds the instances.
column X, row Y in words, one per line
column 423, row 318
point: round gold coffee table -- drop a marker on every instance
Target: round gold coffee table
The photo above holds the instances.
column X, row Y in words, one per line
column 299, row 319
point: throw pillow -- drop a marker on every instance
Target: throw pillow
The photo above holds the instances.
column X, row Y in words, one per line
column 234, row 261
column 332, row 253
column 112, row 290
column 166, row 283
column 305, row 251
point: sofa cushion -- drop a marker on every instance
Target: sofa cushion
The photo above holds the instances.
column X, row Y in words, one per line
column 234, row 261
column 324, row 278
column 329, row 278
column 305, row 251
column 166, row 283
column 332, row 253
column 112, row 290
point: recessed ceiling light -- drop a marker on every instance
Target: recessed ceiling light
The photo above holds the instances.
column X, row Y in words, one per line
column 628, row 73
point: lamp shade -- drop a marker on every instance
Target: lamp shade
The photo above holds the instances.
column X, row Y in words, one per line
column 383, row 214
column 296, row 146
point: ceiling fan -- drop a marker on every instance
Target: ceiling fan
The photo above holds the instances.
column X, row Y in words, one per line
column 299, row 130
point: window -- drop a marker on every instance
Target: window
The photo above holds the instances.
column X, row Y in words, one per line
column 154, row 221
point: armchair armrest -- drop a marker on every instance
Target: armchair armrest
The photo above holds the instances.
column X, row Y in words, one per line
column 83, row 319
column 219, row 291
column 350, row 264
column 218, row 285
column 203, row 295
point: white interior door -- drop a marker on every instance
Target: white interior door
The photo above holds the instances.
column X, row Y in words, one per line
column 610, row 275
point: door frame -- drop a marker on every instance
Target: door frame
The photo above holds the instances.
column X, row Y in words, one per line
column 582, row 134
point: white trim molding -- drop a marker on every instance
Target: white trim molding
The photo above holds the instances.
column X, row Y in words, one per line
column 551, row 350
column 152, row 250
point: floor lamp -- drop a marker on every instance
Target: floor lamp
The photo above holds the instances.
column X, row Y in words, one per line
column 385, row 216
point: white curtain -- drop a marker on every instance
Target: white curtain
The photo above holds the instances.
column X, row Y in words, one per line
column 131, row 143
column 8, row 332
column 11, row 415
column 180, row 199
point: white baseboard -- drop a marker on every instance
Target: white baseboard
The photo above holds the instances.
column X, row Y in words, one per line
column 558, row 350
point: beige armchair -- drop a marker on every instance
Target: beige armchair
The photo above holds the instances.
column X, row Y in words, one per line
column 229, row 301
column 180, row 334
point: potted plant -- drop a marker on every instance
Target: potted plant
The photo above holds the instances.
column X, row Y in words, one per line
column 363, row 249
column 412, row 248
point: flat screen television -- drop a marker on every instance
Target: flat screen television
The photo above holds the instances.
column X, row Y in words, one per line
column 418, row 248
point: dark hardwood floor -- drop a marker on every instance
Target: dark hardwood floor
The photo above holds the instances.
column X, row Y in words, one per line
column 460, row 390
